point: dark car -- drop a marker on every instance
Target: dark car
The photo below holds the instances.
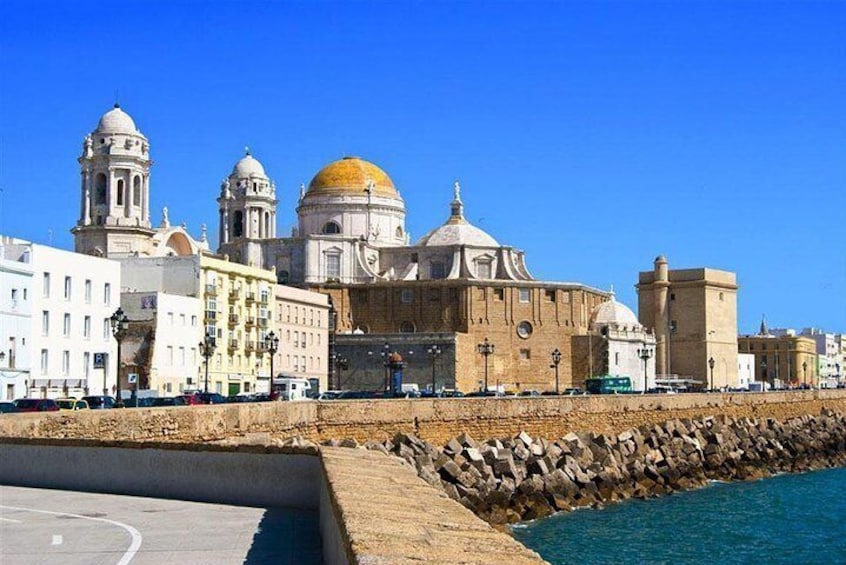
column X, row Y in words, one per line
column 8, row 408
column 99, row 402
column 36, row 405
column 211, row 398
column 168, row 401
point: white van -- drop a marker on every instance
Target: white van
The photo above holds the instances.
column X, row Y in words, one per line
column 291, row 388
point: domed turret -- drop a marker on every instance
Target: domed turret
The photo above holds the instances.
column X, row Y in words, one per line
column 116, row 121
column 457, row 230
column 248, row 166
column 614, row 314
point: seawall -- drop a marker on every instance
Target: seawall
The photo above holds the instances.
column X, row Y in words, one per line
column 433, row 420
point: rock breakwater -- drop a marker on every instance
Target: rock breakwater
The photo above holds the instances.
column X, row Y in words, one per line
column 522, row 478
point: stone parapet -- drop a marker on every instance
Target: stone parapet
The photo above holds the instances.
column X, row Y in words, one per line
column 434, row 420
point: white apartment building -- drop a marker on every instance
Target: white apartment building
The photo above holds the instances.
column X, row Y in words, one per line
column 302, row 325
column 15, row 323
column 68, row 345
column 171, row 362
column 745, row 369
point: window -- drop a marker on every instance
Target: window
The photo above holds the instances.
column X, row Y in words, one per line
column 616, row 358
column 46, row 284
column 238, row 224
column 550, row 295
column 67, row 288
column 407, row 296
column 483, row 269
column 45, row 323
column 66, row 326
column 499, row 293
column 407, row 327
column 87, row 291
column 182, row 356
column 437, row 270
column 170, row 318
column 524, row 329
column 525, row 354
column 86, row 327
column 333, row 267
column 106, row 329
column 170, row 355
column 86, row 364
column 193, row 321
column 524, row 295
column 120, row 192
column 721, row 297
column 107, row 294
column 296, row 338
column 182, row 319
column 100, row 188
column 331, row 228
column 65, row 363
column 44, row 362
column 136, row 191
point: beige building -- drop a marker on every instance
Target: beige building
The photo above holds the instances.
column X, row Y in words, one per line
column 302, row 326
column 694, row 316
column 782, row 361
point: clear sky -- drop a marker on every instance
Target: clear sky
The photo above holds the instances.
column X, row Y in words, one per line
column 594, row 136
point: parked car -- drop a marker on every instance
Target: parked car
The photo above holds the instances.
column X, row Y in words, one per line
column 486, row 393
column 329, row 394
column 99, row 402
column 8, row 408
column 36, row 405
column 211, row 398
column 71, row 404
column 168, row 401
column 190, row 399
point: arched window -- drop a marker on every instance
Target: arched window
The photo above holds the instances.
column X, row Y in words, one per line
column 267, row 224
column 483, row 269
column 120, row 192
column 238, row 224
column 331, row 228
column 100, row 189
column 136, row 191
column 407, row 328
column 399, row 232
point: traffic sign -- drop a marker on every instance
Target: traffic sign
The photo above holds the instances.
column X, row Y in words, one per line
column 132, row 378
column 99, row 360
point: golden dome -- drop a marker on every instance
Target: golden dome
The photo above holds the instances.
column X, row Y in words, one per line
column 352, row 175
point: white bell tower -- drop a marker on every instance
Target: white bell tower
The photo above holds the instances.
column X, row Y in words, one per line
column 114, row 218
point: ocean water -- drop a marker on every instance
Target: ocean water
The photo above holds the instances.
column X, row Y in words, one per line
column 788, row 519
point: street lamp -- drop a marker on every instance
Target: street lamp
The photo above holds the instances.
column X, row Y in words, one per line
column 271, row 343
column 434, row 351
column 711, row 364
column 207, row 350
column 386, row 362
column 485, row 349
column 804, row 374
column 644, row 354
column 556, row 359
column 120, row 324
column 340, row 363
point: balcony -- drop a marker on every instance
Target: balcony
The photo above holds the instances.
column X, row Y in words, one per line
column 233, row 295
column 211, row 315
column 233, row 319
column 233, row 344
column 264, row 300
column 251, row 297
column 256, row 346
column 262, row 322
column 251, row 321
column 211, row 290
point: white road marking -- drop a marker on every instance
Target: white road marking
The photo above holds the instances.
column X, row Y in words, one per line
column 135, row 534
column 57, row 539
column 10, row 520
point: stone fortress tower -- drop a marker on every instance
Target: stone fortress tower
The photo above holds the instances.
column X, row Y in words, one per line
column 114, row 217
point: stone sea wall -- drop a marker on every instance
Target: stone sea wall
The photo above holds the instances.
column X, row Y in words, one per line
column 522, row 478
column 434, row 420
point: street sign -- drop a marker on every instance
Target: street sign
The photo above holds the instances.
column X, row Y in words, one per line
column 132, row 378
column 99, row 360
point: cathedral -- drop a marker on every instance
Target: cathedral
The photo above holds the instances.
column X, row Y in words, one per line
column 457, row 287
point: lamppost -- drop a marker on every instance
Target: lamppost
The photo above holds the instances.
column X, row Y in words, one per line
column 764, row 371
column 804, row 374
column 271, row 343
column 644, row 354
column 711, row 364
column 434, row 351
column 120, row 324
column 207, row 350
column 386, row 361
column 556, row 359
column 486, row 348
column 340, row 363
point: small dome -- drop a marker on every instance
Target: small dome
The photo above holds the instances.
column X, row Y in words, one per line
column 614, row 313
column 248, row 166
column 352, row 175
column 116, row 121
column 457, row 234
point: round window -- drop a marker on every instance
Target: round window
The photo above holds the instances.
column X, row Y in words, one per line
column 524, row 329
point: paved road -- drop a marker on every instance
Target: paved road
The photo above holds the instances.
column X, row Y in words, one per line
column 40, row 526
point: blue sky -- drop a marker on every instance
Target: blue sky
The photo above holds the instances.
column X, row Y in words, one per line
column 594, row 136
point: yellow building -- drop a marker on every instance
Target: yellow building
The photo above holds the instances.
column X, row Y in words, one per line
column 238, row 309
column 782, row 360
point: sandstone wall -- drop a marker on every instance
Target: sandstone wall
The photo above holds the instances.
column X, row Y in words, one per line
column 434, row 420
